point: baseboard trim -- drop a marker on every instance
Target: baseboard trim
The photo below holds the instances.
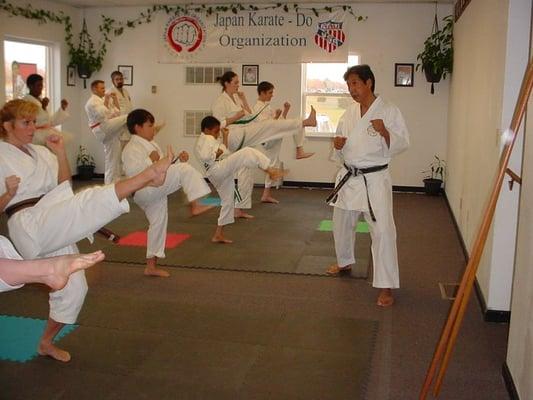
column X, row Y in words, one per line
column 330, row 185
column 488, row 315
column 509, row 382
column 95, row 176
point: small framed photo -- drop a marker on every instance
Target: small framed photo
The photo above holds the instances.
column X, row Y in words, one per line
column 71, row 75
column 250, row 75
column 127, row 73
column 404, row 74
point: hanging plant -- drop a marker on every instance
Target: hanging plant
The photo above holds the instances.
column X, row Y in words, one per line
column 85, row 57
column 437, row 58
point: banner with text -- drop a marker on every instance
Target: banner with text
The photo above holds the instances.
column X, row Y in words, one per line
column 266, row 36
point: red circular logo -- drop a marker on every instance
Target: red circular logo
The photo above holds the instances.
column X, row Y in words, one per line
column 184, row 33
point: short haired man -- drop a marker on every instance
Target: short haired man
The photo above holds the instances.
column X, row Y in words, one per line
column 106, row 123
column 369, row 134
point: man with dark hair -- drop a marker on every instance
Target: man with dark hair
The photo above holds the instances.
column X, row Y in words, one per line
column 221, row 165
column 124, row 102
column 45, row 121
column 141, row 152
column 369, row 134
column 106, row 123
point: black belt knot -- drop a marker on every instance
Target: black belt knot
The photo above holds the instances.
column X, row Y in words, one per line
column 354, row 171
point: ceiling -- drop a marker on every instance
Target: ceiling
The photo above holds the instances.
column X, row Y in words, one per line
column 127, row 3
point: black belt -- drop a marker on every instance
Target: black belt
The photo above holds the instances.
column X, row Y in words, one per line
column 21, row 205
column 353, row 171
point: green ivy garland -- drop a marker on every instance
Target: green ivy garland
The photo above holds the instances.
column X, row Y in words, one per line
column 109, row 27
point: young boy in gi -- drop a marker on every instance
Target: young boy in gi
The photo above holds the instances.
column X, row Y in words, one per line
column 221, row 166
column 142, row 151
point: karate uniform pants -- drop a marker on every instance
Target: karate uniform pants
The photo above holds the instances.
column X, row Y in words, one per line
column 272, row 148
column 108, row 133
column 154, row 203
column 53, row 226
column 221, row 174
column 382, row 234
column 7, row 251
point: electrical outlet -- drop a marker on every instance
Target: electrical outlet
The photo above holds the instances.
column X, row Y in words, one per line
column 154, row 89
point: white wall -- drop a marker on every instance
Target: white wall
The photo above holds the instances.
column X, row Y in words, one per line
column 393, row 33
column 520, row 346
column 51, row 33
column 490, row 57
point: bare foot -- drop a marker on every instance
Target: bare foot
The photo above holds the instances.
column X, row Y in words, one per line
column 301, row 154
column 385, row 298
column 221, row 239
column 276, row 173
column 197, row 209
column 241, row 214
column 269, row 199
column 334, row 270
column 311, row 119
column 61, row 267
column 158, row 170
column 48, row 349
column 156, row 272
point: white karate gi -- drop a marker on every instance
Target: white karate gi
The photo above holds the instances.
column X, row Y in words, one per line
column 8, row 251
column 124, row 102
column 250, row 135
column 107, row 125
column 153, row 200
column 365, row 148
column 59, row 220
column 222, row 170
column 44, row 119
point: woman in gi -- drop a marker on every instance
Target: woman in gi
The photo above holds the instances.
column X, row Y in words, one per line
column 230, row 108
column 45, row 217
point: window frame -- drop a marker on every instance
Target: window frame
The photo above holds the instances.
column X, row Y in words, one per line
column 305, row 94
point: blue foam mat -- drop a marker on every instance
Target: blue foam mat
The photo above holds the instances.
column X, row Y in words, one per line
column 210, row 201
column 19, row 337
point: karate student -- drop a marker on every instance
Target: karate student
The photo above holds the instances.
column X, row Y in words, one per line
column 107, row 124
column 139, row 153
column 53, row 271
column 45, row 121
column 265, row 91
column 230, row 108
column 45, row 217
column 124, row 102
column 369, row 134
column 221, row 166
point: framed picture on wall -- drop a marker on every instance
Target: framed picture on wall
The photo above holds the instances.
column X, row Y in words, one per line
column 250, row 75
column 404, row 74
column 127, row 73
column 71, row 75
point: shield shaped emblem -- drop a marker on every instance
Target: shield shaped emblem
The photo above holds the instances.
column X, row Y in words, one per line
column 329, row 35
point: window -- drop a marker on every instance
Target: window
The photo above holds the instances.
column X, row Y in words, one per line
column 203, row 75
column 325, row 90
column 22, row 59
column 193, row 119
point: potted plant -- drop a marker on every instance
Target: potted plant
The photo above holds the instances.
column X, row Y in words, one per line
column 436, row 60
column 435, row 176
column 85, row 57
column 85, row 164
